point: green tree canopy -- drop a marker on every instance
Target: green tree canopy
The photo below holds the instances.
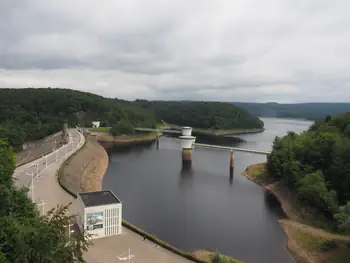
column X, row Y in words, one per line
column 205, row 115
column 25, row 236
column 122, row 128
column 31, row 114
column 315, row 165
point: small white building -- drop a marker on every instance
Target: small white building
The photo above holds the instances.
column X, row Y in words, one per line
column 96, row 124
column 100, row 213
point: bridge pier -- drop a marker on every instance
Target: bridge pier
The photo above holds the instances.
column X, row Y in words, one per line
column 187, row 141
column 232, row 162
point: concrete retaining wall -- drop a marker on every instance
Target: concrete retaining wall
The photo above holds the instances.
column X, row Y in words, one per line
column 84, row 170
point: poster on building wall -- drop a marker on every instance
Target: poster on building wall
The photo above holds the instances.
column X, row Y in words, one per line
column 94, row 220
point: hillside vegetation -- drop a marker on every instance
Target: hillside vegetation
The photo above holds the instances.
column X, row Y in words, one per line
column 315, row 166
column 31, row 114
column 203, row 115
column 311, row 111
column 27, row 236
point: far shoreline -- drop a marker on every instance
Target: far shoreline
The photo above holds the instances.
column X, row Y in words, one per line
column 304, row 241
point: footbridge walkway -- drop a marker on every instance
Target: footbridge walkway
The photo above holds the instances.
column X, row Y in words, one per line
column 178, row 131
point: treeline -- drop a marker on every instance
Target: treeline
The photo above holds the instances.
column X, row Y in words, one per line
column 205, row 115
column 315, row 166
column 310, row 111
column 25, row 235
column 30, row 114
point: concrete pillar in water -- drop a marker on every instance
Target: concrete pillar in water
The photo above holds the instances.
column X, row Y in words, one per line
column 157, row 140
column 232, row 162
column 187, row 141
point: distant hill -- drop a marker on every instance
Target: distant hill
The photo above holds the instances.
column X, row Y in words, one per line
column 310, row 111
column 204, row 115
column 31, row 114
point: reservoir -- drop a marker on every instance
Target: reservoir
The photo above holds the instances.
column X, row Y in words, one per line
column 203, row 208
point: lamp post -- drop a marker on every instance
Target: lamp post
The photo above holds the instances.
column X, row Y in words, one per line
column 69, row 230
column 56, row 154
column 43, row 205
column 128, row 257
column 31, row 187
column 37, row 169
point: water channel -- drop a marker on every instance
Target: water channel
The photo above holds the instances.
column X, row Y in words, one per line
column 203, row 208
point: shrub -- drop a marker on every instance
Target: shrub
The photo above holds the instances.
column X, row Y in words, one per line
column 122, row 128
column 328, row 244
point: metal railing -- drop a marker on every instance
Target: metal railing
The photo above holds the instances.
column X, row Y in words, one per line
column 59, row 155
column 229, row 148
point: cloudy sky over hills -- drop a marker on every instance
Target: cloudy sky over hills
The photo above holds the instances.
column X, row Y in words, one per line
column 242, row 50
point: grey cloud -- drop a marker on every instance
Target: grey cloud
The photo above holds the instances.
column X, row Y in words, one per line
column 205, row 49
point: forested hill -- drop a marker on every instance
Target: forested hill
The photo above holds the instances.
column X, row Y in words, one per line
column 315, row 166
column 205, row 115
column 311, row 111
column 30, row 114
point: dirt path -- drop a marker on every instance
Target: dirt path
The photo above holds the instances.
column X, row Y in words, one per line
column 312, row 230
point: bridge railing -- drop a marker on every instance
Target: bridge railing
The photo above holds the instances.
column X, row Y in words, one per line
column 227, row 148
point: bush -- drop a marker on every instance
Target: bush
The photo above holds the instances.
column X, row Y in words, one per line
column 312, row 190
column 217, row 258
column 327, row 245
column 122, row 128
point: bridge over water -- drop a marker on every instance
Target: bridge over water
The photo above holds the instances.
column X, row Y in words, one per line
column 225, row 148
column 163, row 130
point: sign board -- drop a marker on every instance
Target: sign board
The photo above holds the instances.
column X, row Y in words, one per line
column 94, row 220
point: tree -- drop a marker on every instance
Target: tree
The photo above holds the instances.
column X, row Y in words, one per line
column 25, row 236
column 315, row 166
column 312, row 190
column 343, row 218
column 204, row 115
column 122, row 128
column 31, row 114
column 339, row 169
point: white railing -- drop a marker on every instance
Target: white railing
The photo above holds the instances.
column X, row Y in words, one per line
column 229, row 148
column 59, row 155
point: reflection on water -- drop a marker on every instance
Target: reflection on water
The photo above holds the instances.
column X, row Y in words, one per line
column 205, row 206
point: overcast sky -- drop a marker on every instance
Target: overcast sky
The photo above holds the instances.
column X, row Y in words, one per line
column 228, row 50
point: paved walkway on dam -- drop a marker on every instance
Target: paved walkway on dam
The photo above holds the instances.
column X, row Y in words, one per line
column 103, row 250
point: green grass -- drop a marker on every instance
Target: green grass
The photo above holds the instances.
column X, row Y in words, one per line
column 100, row 129
column 338, row 259
column 257, row 170
column 314, row 243
column 258, row 173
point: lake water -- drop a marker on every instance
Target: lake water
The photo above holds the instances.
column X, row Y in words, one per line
column 203, row 208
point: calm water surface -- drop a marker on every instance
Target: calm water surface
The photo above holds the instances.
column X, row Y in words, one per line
column 203, row 208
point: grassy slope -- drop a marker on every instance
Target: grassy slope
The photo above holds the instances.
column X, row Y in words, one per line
column 205, row 256
column 100, row 129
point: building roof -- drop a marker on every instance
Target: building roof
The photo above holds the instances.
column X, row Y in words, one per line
column 99, row 198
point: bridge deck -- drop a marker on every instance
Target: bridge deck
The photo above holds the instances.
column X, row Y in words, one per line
column 159, row 130
column 205, row 145
column 229, row 148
